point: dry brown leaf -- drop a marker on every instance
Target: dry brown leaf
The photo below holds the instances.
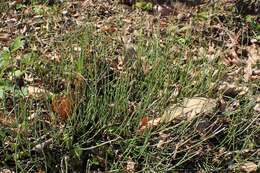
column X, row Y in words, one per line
column 248, row 167
column 109, row 29
column 40, row 171
column 146, row 123
column 37, row 92
column 145, row 66
column 28, row 11
column 232, row 89
column 164, row 10
column 28, row 77
column 154, row 122
column 163, row 137
column 18, row 1
column 232, row 58
column 163, row 23
column 32, row 116
column 4, row 37
column 257, row 106
column 253, row 58
column 6, row 171
column 130, row 166
column 62, row 105
column 43, row 145
column 79, row 81
column 6, row 120
column 190, row 108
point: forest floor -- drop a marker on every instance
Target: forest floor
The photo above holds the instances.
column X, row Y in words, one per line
column 108, row 86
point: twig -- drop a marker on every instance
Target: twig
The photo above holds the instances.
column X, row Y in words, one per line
column 99, row 145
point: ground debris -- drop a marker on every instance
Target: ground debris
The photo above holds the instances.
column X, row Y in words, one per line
column 190, row 108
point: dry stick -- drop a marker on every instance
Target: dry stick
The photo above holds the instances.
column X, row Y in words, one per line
column 64, row 159
column 99, row 145
column 244, row 151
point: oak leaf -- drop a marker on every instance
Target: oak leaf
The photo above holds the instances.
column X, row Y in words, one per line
column 62, row 105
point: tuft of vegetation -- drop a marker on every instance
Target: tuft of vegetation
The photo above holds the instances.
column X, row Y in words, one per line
column 98, row 86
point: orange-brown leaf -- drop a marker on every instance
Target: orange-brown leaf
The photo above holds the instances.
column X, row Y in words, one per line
column 62, row 106
column 144, row 121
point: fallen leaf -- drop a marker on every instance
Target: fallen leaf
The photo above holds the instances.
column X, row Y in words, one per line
column 190, row 108
column 4, row 37
column 32, row 116
column 144, row 121
column 77, row 49
column 109, row 29
column 257, row 106
column 130, row 166
column 232, row 89
column 6, row 120
column 232, row 58
column 43, row 145
column 164, row 10
column 163, row 23
column 37, row 92
column 18, row 1
column 62, row 105
column 28, row 11
column 253, row 59
column 162, row 140
column 28, row 78
column 6, row 171
column 145, row 66
column 149, row 124
column 248, row 167
column 40, row 171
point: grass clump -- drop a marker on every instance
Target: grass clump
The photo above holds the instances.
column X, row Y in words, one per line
column 94, row 85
